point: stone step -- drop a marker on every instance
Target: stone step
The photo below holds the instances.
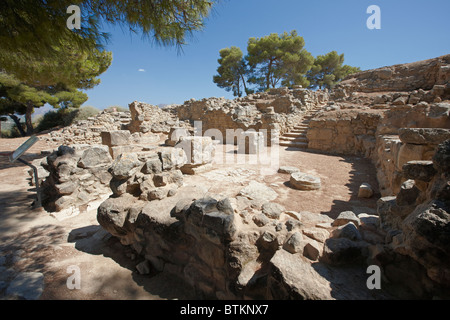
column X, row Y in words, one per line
column 295, row 134
column 294, row 139
column 300, row 145
column 298, row 132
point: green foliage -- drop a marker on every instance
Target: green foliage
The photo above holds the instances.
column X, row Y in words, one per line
column 64, row 117
column 328, row 70
column 232, row 71
column 33, row 30
column 278, row 59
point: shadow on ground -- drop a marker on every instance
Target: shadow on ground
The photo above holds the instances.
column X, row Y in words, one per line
column 95, row 240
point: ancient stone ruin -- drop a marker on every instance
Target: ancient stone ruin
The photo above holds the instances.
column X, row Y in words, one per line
column 143, row 171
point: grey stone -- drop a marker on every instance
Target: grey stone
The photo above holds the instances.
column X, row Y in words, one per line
column 316, row 233
column 345, row 217
column 423, row 135
column 303, row 181
column 312, row 250
column 293, row 277
column 295, row 243
column 125, row 165
column 408, row 193
column 116, row 138
column 260, row 219
column 27, row 285
column 258, row 192
column 341, row 251
column 143, row 267
column 272, row 210
column 441, row 158
column 419, row 170
column 292, row 224
column 66, row 188
column 349, row 231
column 152, row 166
column 288, row 169
column 93, row 157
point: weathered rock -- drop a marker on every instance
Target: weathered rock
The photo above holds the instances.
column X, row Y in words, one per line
column 317, row 234
column 287, row 169
column 258, row 192
column 349, row 231
column 441, row 159
column 114, row 213
column 293, row 277
column 365, row 191
column 341, row 251
column 427, row 235
column 313, row 250
column 172, row 158
column 94, row 157
column 260, row 219
column 66, row 188
column 116, row 138
column 303, row 181
column 143, row 267
column 125, row 166
column 423, row 135
column 345, row 217
column 408, row 193
column 153, row 165
column 419, row 170
column 272, row 210
column 295, row 243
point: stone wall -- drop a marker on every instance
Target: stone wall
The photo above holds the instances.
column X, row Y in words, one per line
column 417, row 221
column 76, row 179
column 276, row 111
column 344, row 131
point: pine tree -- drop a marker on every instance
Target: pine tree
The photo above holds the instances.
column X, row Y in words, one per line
column 278, row 59
column 328, row 70
column 232, row 71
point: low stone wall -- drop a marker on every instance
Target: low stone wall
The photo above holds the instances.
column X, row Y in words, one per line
column 345, row 132
column 394, row 151
column 77, row 179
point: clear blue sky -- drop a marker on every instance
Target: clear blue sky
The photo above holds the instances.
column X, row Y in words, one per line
column 411, row 30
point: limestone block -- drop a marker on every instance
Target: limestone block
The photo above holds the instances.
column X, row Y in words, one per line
column 365, row 191
column 303, row 181
column 198, row 150
column 116, row 138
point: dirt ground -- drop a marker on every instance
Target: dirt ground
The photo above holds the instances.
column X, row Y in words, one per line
column 32, row 240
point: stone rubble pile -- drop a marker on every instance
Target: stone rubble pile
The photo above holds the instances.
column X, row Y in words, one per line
column 88, row 131
column 77, row 179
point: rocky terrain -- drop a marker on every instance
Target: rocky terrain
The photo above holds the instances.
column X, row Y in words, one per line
column 186, row 193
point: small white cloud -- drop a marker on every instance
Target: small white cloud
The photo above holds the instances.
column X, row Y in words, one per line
column 141, row 70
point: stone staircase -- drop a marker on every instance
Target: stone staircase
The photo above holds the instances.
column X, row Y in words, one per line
column 296, row 138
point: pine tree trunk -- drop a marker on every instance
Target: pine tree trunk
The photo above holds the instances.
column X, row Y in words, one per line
column 18, row 124
column 28, row 120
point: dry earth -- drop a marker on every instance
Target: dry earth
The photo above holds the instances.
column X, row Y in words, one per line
column 33, row 241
